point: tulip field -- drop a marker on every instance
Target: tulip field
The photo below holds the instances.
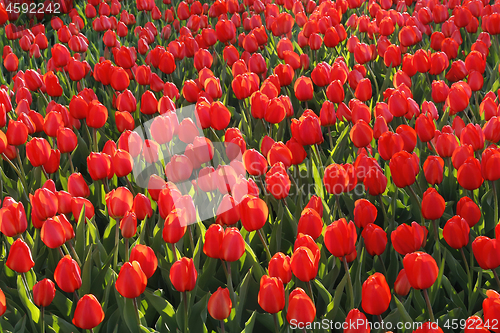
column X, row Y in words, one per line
column 249, row 166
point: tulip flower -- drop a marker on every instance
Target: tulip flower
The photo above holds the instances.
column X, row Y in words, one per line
column 356, row 322
column 271, row 295
column 219, row 304
column 375, row 239
column 44, row 292
column 364, row 213
column 406, row 239
column 310, row 223
column 88, row 312
column 279, row 267
column 304, row 263
column 375, row 295
column 19, row 259
column 183, row 275
column 422, row 271
column 301, row 310
column 131, row 281
column 402, row 285
column 68, row 275
column 146, row 257
column 469, row 210
column 13, row 218
column 119, row 201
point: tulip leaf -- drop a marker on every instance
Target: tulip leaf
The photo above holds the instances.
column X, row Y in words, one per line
column 453, row 294
column 128, row 313
column 198, row 315
column 33, row 311
column 333, row 307
column 80, row 240
column 164, row 308
column 59, row 324
column 404, row 315
column 86, row 273
column 325, row 296
column 250, row 323
column 63, row 304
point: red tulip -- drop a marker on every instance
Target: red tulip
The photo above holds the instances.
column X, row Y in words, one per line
column 356, row 322
column 468, row 209
column 277, row 181
column 232, row 245
column 219, row 304
column 304, row 263
column 340, row 238
column 13, row 218
column 280, row 267
column 433, row 170
column 271, row 295
column 88, row 312
column 68, row 275
column 402, row 285
column 364, row 213
column 146, row 257
column 213, row 241
column 253, row 213
column 303, row 88
column 375, row 294
column 183, row 275
column 119, row 201
column 375, row 239
column 310, row 223
column 404, row 168
column 469, row 174
column 301, row 310
column 406, row 239
column 421, row 270
column 433, row 204
column 487, row 252
column 361, row 134
column 44, row 292
column 19, row 259
column 456, row 232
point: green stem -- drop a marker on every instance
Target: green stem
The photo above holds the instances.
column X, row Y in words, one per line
column 222, row 326
column 310, row 291
column 465, row 261
column 42, row 321
column 136, row 308
column 383, row 266
column 330, row 138
column 191, row 239
column 351, row 292
column 266, row 247
column 496, row 277
column 276, row 323
column 126, row 250
column 186, row 317
column 174, row 250
column 94, row 139
column 75, row 255
column 71, row 163
column 117, row 242
column 230, row 283
column 26, row 286
column 129, row 185
column 429, row 307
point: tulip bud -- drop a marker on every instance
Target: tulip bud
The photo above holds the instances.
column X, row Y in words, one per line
column 44, row 292
column 19, row 259
column 219, row 304
column 88, row 312
column 131, row 281
column 183, row 275
column 375, row 294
